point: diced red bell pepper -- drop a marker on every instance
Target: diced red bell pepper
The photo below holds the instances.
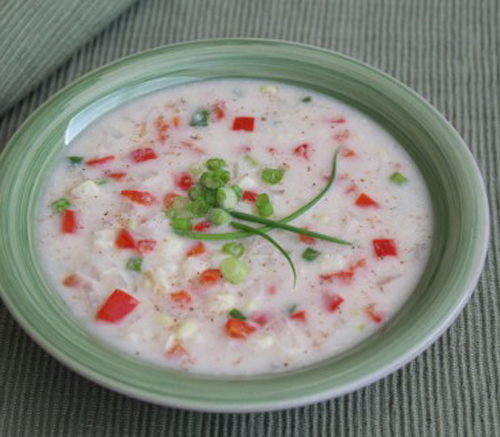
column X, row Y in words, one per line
column 176, row 120
column 181, row 297
column 117, row 176
column 385, row 247
column 303, row 151
column 143, row 154
column 197, row 249
column 339, row 120
column 299, row 315
column 260, row 318
column 71, row 280
column 348, row 153
column 100, row 161
column 161, row 128
column 364, row 201
column 342, row 136
column 342, row 276
column 237, row 328
column 244, row 123
column 69, row 222
column 117, row 306
column 249, row 196
column 210, row 276
column 140, row 197
column 351, row 189
column 306, row 239
column 124, row 240
column 219, row 110
column 146, row 246
column 168, row 200
column 333, row 302
column 202, row 226
column 373, row 314
column 184, row 182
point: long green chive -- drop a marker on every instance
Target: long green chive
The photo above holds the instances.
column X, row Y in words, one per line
column 289, row 218
column 272, row 176
column 234, row 270
column 61, row 204
column 201, row 117
column 285, row 227
column 264, row 206
column 262, row 234
column 135, row 264
column 234, row 249
column 237, row 314
column 75, row 160
column 398, row 178
column 310, row 254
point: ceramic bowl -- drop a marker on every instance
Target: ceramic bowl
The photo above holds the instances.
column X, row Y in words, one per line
column 457, row 191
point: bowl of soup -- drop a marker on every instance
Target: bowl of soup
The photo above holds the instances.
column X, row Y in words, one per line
column 238, row 225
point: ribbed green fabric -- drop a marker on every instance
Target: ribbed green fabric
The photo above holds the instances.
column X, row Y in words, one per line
column 448, row 51
column 36, row 36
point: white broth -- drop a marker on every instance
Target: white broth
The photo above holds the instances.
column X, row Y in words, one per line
column 107, row 237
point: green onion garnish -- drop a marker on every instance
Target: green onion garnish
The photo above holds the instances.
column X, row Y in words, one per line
column 251, row 161
column 307, row 99
column 237, row 314
column 201, row 117
column 61, row 204
column 398, row 178
column 310, row 254
column 234, row 249
column 291, row 309
column 215, row 163
column 272, row 176
column 264, row 206
column 226, row 198
column 181, row 223
column 289, row 218
column 262, row 234
column 234, row 270
column 218, row 216
column 135, row 264
column 198, row 207
column 238, row 191
column 279, row 225
column 195, row 192
column 75, row 160
column 195, row 169
column 102, row 181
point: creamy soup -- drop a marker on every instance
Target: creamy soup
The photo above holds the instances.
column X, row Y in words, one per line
column 144, row 227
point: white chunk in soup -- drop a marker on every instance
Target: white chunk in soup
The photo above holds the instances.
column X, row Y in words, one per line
column 126, row 219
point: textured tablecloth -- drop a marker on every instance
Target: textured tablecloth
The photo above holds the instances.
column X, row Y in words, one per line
column 448, row 51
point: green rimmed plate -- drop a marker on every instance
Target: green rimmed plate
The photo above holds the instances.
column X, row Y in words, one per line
column 457, row 191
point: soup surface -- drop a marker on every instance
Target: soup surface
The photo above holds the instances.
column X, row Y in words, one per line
column 125, row 225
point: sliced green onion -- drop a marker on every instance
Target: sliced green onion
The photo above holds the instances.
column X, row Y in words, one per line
column 237, row 314
column 272, row 176
column 195, row 169
column 222, row 175
column 398, row 178
column 215, row 163
column 307, row 99
column 226, row 198
column 238, row 191
column 262, row 234
column 285, row 227
column 234, row 249
column 288, row 218
column 201, row 117
column 251, row 160
column 234, row 270
column 264, row 206
column 102, row 181
column 218, row 216
column 135, row 264
column 75, row 160
column 180, row 208
column 199, row 207
column 181, row 223
column 310, row 254
column 61, row 204
column 292, row 308
column 195, row 192
column 210, row 196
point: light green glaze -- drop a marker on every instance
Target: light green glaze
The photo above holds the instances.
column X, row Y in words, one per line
column 460, row 207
